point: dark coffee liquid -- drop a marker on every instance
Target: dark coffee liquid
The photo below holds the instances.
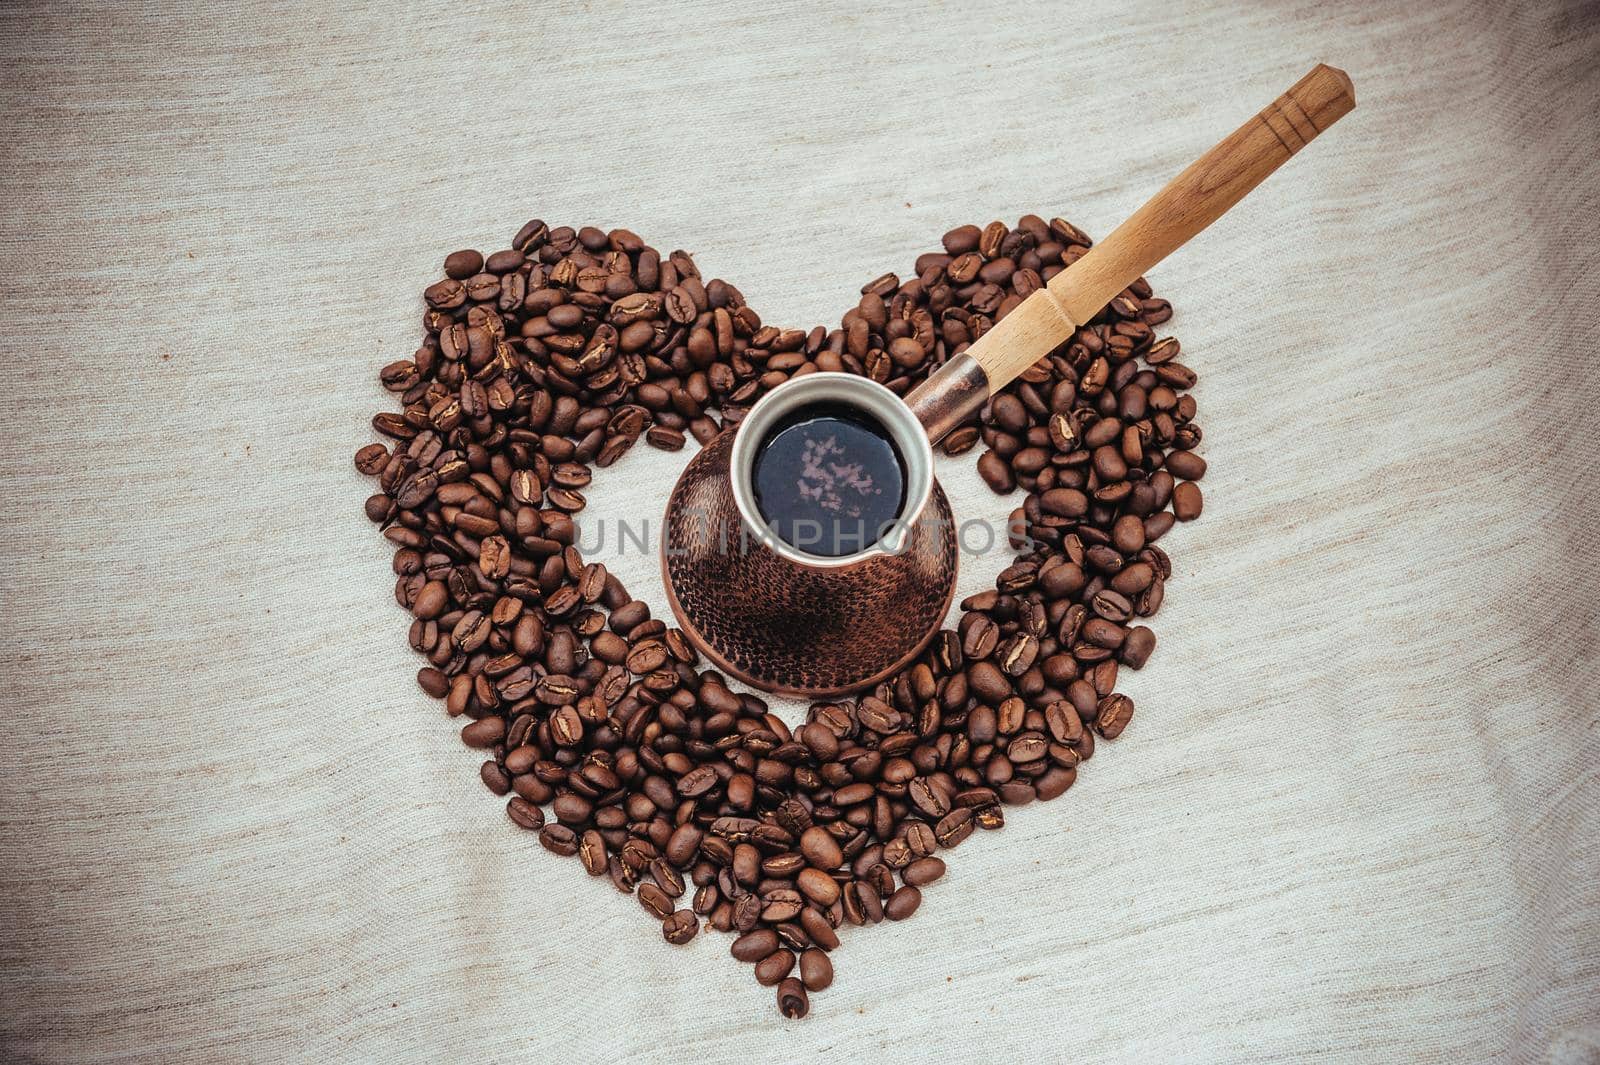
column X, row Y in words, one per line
column 829, row 480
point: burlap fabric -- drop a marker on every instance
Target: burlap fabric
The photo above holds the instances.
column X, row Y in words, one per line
column 1355, row 816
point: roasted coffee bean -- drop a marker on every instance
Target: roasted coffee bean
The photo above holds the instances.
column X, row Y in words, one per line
column 780, row 905
column 988, row 682
column 755, row 945
column 683, row 845
column 1028, row 747
column 680, row 927
column 1063, row 722
column 958, row 442
column 697, row 781
column 1137, row 647
column 445, row 295
column 667, row 878
column 494, row 778
column 592, row 852
column 707, row 898
column 1064, row 502
column 433, row 682
column 821, row 849
column 1112, row 605
column 623, row 876
column 1112, row 715
column 1186, row 464
column 524, row 814
column 747, row 911
column 485, row 733
column 571, row 809
column 372, row 459
column 566, row 727
column 816, row 970
column 559, row 839
column 817, row 886
column 817, row 927
column 923, row 871
column 462, row 264
column 928, row 798
column 1186, row 501
column 996, row 472
column 1131, row 580
column 897, row 854
column 920, row 839
column 903, row 903
column 980, row 636
column 792, row 1000
column 656, row 902
column 664, row 438
column 774, row 967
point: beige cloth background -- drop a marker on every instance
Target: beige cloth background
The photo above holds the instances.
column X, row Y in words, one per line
column 1356, row 817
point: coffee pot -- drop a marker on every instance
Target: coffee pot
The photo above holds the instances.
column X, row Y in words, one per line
column 786, row 619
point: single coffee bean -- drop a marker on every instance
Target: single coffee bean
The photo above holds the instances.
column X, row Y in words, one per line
column 819, row 929
column 559, row 839
column 924, row 871
column 571, row 809
column 919, row 838
column 774, row 967
column 818, row 886
column 664, row 438
column 1131, row 580
column 372, row 459
column 592, row 853
column 816, row 970
column 697, row 781
column 780, row 905
column 1186, row 464
column 820, row 848
column 1065, row 502
column 494, row 778
column 747, row 911
column 1186, row 501
column 996, row 472
column 792, row 1000
column 667, row 878
column 680, row 927
column 445, row 295
column 755, row 945
column 1028, row 747
column 959, row 442
column 683, row 844
column 1112, row 715
column 462, row 264
column 655, row 901
column 1055, row 781
column 524, row 814
column 433, row 682
column 1137, row 647
column 707, row 898
column 988, row 682
column 1063, row 722
column 981, row 636
column 485, row 733
column 928, row 798
column 903, row 903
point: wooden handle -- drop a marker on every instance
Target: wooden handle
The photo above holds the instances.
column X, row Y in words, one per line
column 1190, row 202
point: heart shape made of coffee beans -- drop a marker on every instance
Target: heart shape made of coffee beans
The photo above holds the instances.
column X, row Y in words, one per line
column 560, row 352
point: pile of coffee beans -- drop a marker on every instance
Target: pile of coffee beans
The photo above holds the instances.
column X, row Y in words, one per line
column 558, row 354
